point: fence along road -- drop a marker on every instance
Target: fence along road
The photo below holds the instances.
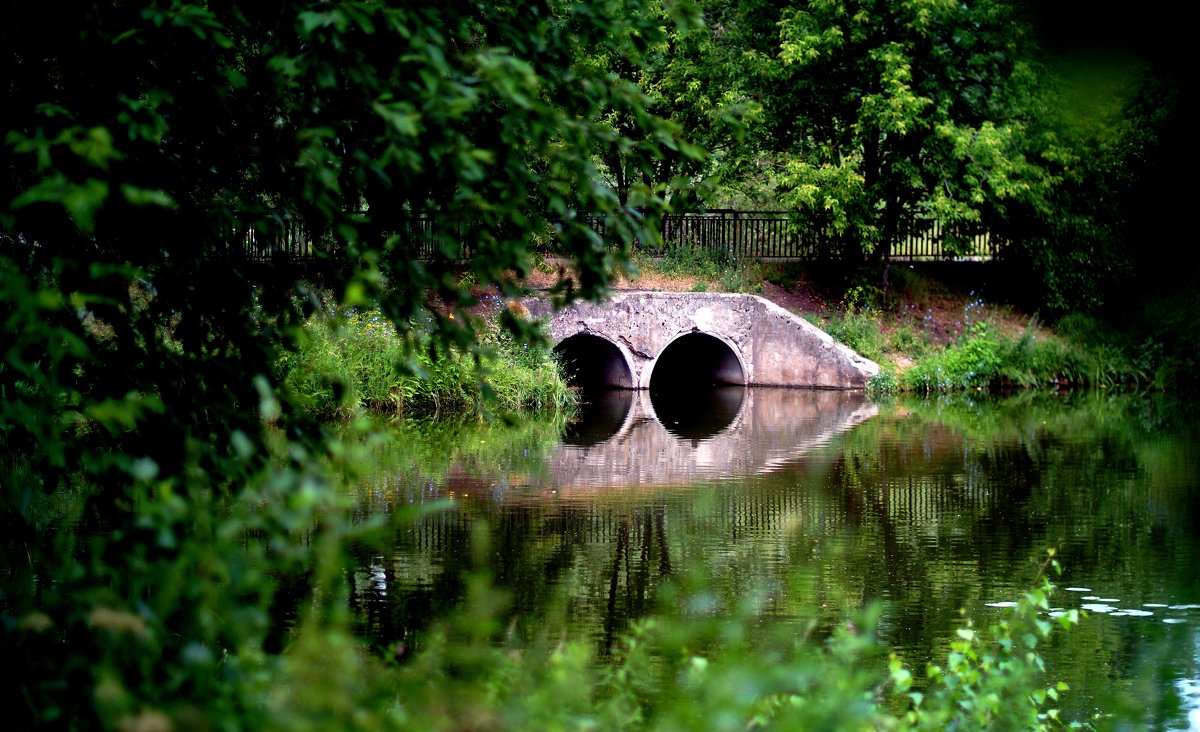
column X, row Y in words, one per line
column 763, row 235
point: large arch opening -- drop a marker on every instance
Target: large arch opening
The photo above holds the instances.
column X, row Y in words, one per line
column 696, row 361
column 593, row 363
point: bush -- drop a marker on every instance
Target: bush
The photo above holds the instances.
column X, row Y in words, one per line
column 884, row 382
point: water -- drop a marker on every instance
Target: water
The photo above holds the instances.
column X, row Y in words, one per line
column 817, row 503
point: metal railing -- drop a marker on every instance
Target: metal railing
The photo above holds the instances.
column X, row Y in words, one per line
column 780, row 235
column 763, row 235
column 273, row 238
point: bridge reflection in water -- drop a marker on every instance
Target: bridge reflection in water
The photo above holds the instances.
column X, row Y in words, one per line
column 680, row 437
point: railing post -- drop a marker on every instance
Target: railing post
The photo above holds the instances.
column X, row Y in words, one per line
column 738, row 244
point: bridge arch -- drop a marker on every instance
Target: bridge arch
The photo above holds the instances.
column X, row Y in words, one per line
column 592, row 361
column 694, row 360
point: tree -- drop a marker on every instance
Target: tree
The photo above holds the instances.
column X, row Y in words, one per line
column 135, row 384
column 696, row 77
column 893, row 111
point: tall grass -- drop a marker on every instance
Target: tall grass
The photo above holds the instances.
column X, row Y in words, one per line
column 859, row 330
column 858, row 325
column 983, row 358
column 351, row 361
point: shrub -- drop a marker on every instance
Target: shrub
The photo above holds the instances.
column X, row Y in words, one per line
column 972, row 362
column 884, row 382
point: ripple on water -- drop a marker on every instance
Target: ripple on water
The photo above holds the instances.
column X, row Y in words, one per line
column 1132, row 613
column 1106, row 606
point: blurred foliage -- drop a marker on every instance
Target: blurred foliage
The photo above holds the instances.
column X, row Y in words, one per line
column 173, row 513
column 726, row 671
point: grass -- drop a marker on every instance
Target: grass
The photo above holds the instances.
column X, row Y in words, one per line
column 983, row 359
column 351, row 361
column 711, row 269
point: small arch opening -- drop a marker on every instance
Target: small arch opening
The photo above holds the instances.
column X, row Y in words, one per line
column 593, row 363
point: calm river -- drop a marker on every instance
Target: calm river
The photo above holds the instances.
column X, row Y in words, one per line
column 819, row 503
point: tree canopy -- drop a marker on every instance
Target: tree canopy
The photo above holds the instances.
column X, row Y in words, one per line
column 903, row 110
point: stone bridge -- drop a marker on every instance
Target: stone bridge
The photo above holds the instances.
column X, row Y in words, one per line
column 639, row 340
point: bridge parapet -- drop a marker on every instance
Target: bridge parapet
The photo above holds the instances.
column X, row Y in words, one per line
column 699, row 338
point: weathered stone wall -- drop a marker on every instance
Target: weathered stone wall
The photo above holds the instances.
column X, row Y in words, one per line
column 773, row 346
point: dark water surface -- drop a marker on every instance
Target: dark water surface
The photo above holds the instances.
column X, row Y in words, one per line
column 817, row 503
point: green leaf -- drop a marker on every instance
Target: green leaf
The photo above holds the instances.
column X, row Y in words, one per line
column 147, row 197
